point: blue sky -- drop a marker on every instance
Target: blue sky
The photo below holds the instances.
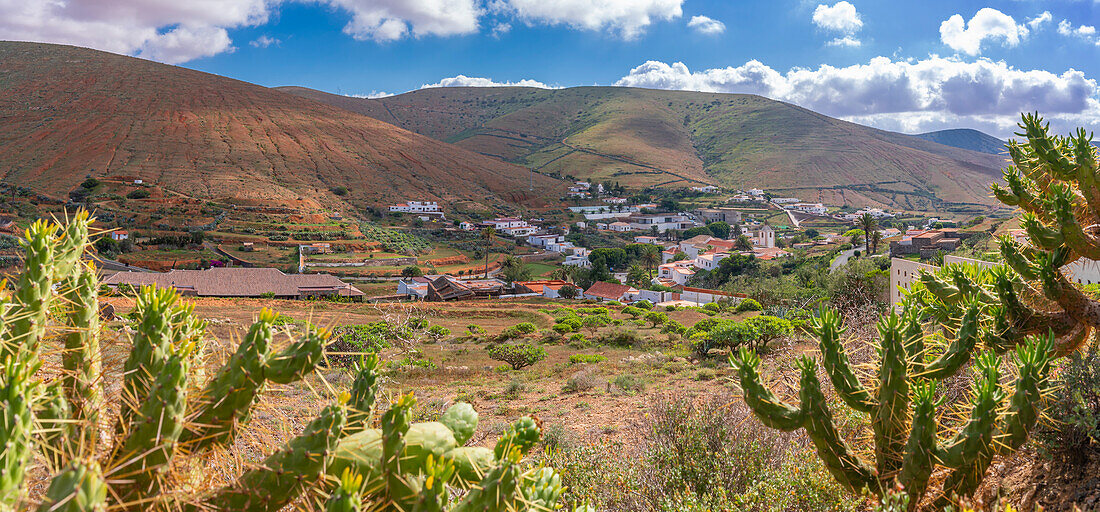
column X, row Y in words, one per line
column 908, row 66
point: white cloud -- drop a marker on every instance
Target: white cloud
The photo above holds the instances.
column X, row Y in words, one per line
column 846, row 41
column 706, row 25
column 1040, row 20
column 264, row 41
column 629, row 18
column 500, row 29
column 841, row 17
column 900, row 94
column 987, row 24
column 372, row 95
column 1086, row 32
column 167, row 30
column 389, row 20
column 472, row 81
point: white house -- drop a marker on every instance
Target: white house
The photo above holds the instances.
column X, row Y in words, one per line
column 710, row 261
column 785, row 200
column 544, row 240
column 620, row 226
column 810, row 208
column 755, row 192
column 511, row 226
column 421, row 207
column 662, row 221
column 466, row 226
column 709, row 189
column 575, row 260
column 677, row 272
column 119, row 235
column 614, row 200
column 645, row 239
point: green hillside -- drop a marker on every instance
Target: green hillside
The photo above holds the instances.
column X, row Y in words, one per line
column 642, row 137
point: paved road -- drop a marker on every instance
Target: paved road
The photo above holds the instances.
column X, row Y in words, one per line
column 843, row 257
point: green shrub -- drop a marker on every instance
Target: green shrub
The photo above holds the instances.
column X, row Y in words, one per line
column 520, row 355
column 633, row 311
column 1074, row 410
column 644, row 304
column 586, row 358
column 705, row 374
column 614, row 303
column 438, row 331
column 525, row 327
column 619, row 337
column 710, row 306
column 138, row 194
column 748, row 305
column 475, row 329
column 89, row 183
column 629, row 383
column 673, row 327
column 583, row 380
column 656, row 318
column 562, row 328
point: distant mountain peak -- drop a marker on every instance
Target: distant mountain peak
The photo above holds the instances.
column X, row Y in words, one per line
column 966, row 138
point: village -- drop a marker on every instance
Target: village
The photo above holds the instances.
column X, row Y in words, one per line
column 676, row 242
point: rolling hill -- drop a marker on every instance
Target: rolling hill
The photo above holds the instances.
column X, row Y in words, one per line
column 644, row 137
column 965, row 138
column 73, row 112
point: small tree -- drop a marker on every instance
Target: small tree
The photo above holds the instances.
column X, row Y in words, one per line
column 767, row 329
column 411, row 271
column 633, row 311
column 594, row 322
column 520, row 355
column 568, row 292
column 656, row 318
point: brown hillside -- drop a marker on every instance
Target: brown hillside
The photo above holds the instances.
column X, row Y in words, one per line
column 72, row 112
column 647, row 137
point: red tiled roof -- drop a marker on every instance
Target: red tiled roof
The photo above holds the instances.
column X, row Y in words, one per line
column 608, row 290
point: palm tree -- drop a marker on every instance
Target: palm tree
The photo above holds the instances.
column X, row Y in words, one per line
column 868, row 224
column 488, row 234
column 743, row 243
column 876, row 238
column 651, row 258
column 635, row 275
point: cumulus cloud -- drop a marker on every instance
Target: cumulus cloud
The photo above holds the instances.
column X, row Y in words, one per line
column 167, row 30
column 628, row 18
column 895, row 94
column 1039, row 21
column 706, row 25
column 264, row 41
column 473, row 81
column 988, row 24
column 389, row 20
column 841, row 17
column 1086, row 32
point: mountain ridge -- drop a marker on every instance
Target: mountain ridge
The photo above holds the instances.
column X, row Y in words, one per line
column 73, row 112
column 648, row 137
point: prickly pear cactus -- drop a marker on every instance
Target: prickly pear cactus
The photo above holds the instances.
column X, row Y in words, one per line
column 167, row 413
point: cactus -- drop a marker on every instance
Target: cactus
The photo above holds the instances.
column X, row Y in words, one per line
column 57, row 292
column 1056, row 182
column 168, row 414
column 411, row 466
column 902, row 408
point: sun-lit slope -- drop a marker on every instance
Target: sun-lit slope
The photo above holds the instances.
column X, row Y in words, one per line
column 647, row 137
column 71, row 112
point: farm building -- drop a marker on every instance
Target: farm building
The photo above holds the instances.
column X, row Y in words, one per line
column 239, row 282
